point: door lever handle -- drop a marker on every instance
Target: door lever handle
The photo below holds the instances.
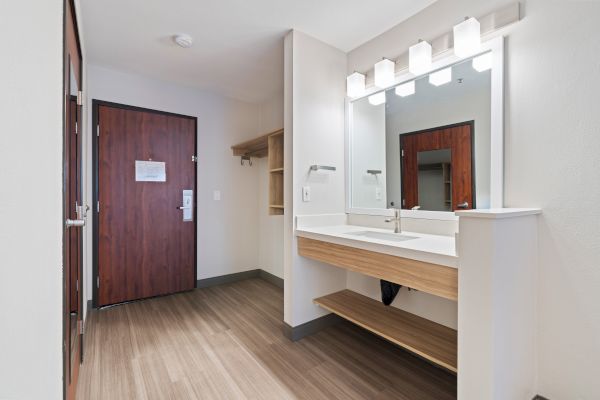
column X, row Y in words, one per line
column 463, row 205
column 74, row 223
column 184, row 208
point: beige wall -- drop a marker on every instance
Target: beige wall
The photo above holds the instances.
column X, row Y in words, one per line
column 551, row 161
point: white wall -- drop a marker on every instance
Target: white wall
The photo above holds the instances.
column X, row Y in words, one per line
column 314, row 123
column 368, row 153
column 227, row 229
column 551, row 161
column 31, row 149
column 270, row 227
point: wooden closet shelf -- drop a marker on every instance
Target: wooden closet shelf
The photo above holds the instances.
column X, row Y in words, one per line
column 432, row 341
column 279, row 170
column 257, row 147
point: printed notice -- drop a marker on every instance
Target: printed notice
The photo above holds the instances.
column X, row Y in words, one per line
column 150, row 171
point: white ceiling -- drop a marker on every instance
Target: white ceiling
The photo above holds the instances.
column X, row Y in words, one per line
column 238, row 46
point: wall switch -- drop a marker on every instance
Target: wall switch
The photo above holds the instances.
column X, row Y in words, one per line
column 306, row 193
column 377, row 193
column 216, row 195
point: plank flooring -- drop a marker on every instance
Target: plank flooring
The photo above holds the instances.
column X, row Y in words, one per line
column 226, row 342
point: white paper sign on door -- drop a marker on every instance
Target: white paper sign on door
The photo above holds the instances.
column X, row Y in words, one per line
column 150, row 171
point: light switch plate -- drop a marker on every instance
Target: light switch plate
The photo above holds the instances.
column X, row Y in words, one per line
column 306, row 193
column 216, row 195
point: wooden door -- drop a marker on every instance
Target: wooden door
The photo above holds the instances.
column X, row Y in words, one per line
column 145, row 248
column 72, row 211
column 458, row 139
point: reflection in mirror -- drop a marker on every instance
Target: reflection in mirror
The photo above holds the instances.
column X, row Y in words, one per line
column 434, row 180
column 441, row 125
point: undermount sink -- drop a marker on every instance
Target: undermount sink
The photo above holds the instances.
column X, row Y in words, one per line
column 393, row 237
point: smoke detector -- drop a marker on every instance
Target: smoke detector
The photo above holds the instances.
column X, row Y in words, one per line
column 183, row 40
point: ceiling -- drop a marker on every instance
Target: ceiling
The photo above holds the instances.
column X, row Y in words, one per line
column 238, row 44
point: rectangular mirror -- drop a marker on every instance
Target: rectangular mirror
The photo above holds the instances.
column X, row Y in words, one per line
column 433, row 143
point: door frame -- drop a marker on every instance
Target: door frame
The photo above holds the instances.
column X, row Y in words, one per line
column 471, row 123
column 95, row 186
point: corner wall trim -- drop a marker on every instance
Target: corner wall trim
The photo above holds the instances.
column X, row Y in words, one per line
column 269, row 277
column 240, row 276
column 311, row 327
column 229, row 278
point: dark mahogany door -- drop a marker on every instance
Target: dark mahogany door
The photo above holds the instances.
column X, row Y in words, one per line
column 455, row 138
column 146, row 245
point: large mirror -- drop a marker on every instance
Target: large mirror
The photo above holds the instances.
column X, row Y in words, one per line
column 428, row 144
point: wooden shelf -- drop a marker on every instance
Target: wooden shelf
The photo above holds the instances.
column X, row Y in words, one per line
column 257, row 147
column 276, row 173
column 432, row 341
column 275, row 206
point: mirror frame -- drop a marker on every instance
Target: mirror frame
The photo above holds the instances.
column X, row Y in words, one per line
column 443, row 60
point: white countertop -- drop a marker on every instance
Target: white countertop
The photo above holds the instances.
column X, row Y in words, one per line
column 434, row 249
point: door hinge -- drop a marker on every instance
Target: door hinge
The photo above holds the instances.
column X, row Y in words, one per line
column 403, row 202
column 194, row 158
column 77, row 285
column 80, row 323
column 97, row 281
column 98, row 130
column 80, row 98
column 402, row 152
column 98, row 206
column 76, row 128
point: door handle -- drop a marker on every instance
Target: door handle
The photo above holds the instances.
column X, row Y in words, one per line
column 184, row 208
column 463, row 205
column 75, row 223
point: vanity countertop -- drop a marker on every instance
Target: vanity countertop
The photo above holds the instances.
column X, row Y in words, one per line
column 434, row 249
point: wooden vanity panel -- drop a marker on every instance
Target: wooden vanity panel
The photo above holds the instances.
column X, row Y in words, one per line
column 435, row 279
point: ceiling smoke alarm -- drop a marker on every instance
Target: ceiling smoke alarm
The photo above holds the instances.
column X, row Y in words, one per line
column 183, row 40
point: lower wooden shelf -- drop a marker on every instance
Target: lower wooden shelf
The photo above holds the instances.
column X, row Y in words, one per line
column 432, row 341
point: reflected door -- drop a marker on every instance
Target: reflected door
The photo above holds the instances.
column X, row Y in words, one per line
column 437, row 168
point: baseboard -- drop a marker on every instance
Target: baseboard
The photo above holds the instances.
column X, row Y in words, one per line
column 311, row 327
column 229, row 278
column 269, row 277
column 240, row 276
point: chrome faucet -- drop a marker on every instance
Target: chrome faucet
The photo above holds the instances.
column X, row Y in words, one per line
column 396, row 220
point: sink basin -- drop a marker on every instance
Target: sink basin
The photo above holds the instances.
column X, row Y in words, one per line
column 392, row 237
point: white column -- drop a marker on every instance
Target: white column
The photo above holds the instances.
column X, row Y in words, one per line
column 497, row 252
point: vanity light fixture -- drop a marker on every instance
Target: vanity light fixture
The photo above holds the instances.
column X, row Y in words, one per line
column 482, row 62
column 385, row 73
column 419, row 58
column 441, row 77
column 355, row 85
column 377, row 99
column 406, row 89
column 467, row 37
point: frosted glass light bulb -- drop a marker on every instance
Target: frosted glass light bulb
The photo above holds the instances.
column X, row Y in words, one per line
column 377, row 99
column 406, row 89
column 467, row 38
column 419, row 58
column 441, row 77
column 385, row 73
column 355, row 85
column 483, row 62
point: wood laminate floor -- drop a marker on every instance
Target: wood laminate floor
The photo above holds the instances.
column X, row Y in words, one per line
column 226, row 342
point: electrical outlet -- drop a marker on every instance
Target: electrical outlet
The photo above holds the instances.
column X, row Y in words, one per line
column 306, row 193
column 216, row 195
